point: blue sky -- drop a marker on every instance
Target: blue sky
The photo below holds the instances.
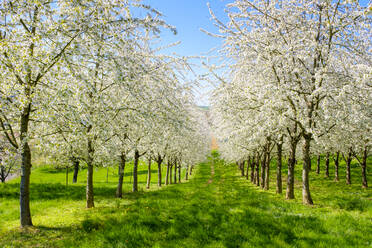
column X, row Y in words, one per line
column 188, row 16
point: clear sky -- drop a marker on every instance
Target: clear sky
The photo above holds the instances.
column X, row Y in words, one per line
column 188, row 16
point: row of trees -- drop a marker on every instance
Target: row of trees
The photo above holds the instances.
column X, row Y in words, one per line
column 82, row 83
column 300, row 74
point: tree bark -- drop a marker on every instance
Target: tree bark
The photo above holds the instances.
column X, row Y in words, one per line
column 348, row 160
column 148, row 173
column 76, row 170
column 89, row 189
column 306, row 196
column 247, row 170
column 267, row 169
column 175, row 171
column 327, row 165
column 257, row 173
column 179, row 173
column 24, row 199
column 318, row 165
column 119, row 189
column 2, row 169
column 135, row 171
column 279, row 187
column 187, row 172
column 336, row 160
column 291, row 166
column 364, row 169
column 242, row 167
column 2, row 173
column 192, row 167
column 252, row 169
column 167, row 173
column 170, row 173
column 254, row 181
column 263, row 169
column 159, row 161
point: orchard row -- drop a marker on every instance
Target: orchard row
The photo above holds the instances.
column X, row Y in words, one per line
column 82, row 82
column 300, row 74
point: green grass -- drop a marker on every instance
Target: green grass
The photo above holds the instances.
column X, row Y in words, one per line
column 51, row 199
column 220, row 210
column 326, row 192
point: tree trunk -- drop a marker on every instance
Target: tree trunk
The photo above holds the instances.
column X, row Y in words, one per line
column 254, row 181
column 175, row 171
column 318, row 165
column 148, row 174
column 252, row 169
column 263, row 169
column 257, row 173
column 119, row 189
column 187, row 172
column 179, row 173
column 267, row 169
column 25, row 186
column 279, row 187
column 89, row 189
column 167, row 173
column 192, row 166
column 135, row 171
column 76, row 170
column 306, row 196
column 348, row 165
column 242, row 167
column 159, row 161
column 336, row 160
column 2, row 173
column 291, row 166
column 247, row 170
column 170, row 173
column 327, row 165
column 24, row 199
column 364, row 169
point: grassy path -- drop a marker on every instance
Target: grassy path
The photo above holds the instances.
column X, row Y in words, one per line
column 216, row 208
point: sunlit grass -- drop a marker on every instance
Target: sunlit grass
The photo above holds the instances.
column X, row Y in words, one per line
column 223, row 210
column 52, row 198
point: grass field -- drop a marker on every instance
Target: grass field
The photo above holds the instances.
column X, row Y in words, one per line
column 216, row 208
column 52, row 199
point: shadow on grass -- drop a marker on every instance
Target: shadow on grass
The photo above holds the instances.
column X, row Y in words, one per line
column 49, row 191
column 53, row 170
column 194, row 216
column 224, row 213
